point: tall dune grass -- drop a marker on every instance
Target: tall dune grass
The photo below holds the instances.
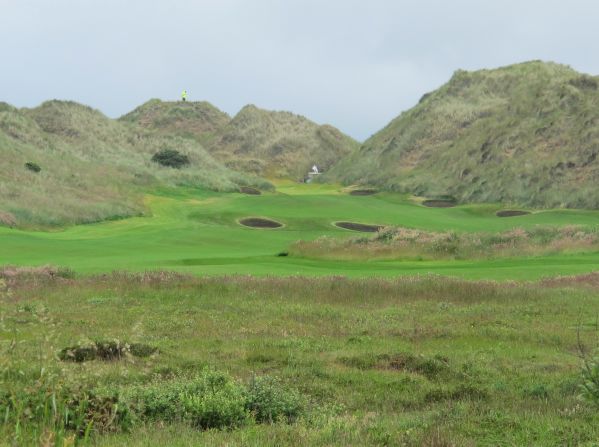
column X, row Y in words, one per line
column 412, row 244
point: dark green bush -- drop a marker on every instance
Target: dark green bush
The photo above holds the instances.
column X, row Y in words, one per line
column 590, row 380
column 171, row 158
column 270, row 401
column 33, row 167
column 214, row 400
column 209, row 400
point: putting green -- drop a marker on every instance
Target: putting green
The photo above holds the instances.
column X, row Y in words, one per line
column 198, row 231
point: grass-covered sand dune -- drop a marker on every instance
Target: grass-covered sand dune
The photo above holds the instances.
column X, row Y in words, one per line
column 92, row 168
column 264, row 142
column 64, row 163
column 419, row 361
column 526, row 134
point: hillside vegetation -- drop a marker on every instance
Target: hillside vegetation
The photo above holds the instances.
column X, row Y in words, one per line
column 526, row 133
column 279, row 144
column 90, row 167
column 267, row 143
column 200, row 120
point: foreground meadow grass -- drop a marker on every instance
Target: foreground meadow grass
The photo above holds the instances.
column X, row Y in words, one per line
column 411, row 361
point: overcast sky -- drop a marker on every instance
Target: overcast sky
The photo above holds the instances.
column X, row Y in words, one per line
column 353, row 64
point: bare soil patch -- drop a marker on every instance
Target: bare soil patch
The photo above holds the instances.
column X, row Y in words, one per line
column 260, row 222
column 511, row 213
column 249, row 190
column 363, row 192
column 355, row 226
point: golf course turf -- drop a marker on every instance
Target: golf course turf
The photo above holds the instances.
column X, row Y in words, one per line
column 198, row 231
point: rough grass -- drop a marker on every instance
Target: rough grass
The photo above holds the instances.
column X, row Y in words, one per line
column 406, row 243
column 413, row 361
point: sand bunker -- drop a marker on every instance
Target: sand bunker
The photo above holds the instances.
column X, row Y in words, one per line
column 354, row 226
column 363, row 192
column 511, row 213
column 260, row 222
column 250, row 190
column 439, row 203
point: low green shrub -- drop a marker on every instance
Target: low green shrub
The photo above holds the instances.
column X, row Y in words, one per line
column 33, row 167
column 269, row 401
column 590, row 381
column 171, row 158
column 211, row 399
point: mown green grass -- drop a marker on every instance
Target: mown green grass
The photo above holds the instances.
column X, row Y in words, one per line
column 196, row 231
column 491, row 364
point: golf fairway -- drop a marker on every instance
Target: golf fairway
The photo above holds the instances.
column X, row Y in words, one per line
column 198, row 232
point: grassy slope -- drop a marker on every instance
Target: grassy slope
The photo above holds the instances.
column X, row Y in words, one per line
column 200, row 120
column 93, row 168
column 267, row 143
column 279, row 144
column 526, row 134
column 510, row 350
column 196, row 231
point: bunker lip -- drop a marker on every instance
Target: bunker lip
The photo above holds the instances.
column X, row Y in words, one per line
column 363, row 192
column 259, row 222
column 355, row 226
column 511, row 213
column 439, row 203
column 249, row 190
